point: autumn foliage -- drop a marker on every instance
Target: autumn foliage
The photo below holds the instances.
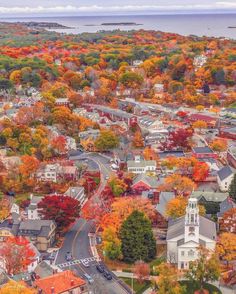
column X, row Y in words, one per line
column 64, row 210
column 16, row 254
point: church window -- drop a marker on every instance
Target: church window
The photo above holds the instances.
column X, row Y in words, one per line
column 192, row 218
column 191, row 253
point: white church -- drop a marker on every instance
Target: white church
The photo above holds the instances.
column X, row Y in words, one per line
column 186, row 233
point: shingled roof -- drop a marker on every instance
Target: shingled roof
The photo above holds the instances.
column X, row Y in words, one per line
column 61, row 283
column 207, row 228
column 224, row 172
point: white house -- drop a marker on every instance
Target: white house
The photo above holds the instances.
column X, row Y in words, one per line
column 150, row 124
column 224, row 178
column 70, row 143
column 33, row 210
column 35, row 261
column 15, row 208
column 186, row 233
column 139, row 166
column 158, row 88
column 137, row 62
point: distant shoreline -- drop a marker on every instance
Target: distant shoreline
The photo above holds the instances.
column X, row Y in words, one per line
column 43, row 25
column 121, row 24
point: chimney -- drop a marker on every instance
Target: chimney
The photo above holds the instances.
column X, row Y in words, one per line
column 52, row 290
column 72, row 283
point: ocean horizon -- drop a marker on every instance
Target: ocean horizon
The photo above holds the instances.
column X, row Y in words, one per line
column 212, row 25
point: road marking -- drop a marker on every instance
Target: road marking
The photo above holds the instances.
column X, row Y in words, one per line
column 77, row 262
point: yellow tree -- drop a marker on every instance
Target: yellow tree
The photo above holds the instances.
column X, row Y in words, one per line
column 4, row 208
column 16, row 288
column 200, row 107
column 111, row 243
column 178, row 183
column 219, row 145
column 150, row 154
column 138, row 140
column 226, row 246
column 176, row 207
column 167, row 281
column 199, row 124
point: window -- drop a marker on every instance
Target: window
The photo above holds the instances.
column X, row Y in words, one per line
column 192, row 218
column 182, row 253
column 191, row 253
column 182, row 265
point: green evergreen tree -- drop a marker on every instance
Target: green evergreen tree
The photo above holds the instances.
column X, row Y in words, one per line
column 137, row 240
column 232, row 188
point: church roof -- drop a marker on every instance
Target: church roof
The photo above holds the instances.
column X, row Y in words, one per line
column 207, row 228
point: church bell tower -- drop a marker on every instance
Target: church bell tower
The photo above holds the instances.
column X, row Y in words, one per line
column 191, row 231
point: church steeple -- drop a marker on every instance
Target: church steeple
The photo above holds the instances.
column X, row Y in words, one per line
column 192, row 221
column 192, row 212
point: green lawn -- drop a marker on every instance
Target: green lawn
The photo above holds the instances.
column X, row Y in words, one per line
column 190, row 288
column 138, row 288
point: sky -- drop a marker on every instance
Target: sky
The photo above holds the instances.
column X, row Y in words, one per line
column 98, row 7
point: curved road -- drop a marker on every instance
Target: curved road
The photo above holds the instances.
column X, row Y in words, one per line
column 77, row 241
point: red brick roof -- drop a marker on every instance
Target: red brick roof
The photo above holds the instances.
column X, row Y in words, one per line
column 198, row 116
column 61, row 282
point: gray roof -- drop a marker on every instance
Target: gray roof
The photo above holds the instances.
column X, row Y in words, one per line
column 224, row 172
column 35, row 227
column 166, row 154
column 44, row 270
column 230, row 130
column 205, row 149
column 3, row 278
column 233, row 110
column 142, row 163
column 207, row 228
column 117, row 112
column 225, row 206
column 210, row 195
column 153, row 182
column 164, row 198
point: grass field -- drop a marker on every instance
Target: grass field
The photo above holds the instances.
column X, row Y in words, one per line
column 191, row 287
column 138, row 288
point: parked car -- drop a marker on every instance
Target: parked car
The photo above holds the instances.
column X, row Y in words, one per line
column 107, row 275
column 68, row 256
column 100, row 268
column 89, row 278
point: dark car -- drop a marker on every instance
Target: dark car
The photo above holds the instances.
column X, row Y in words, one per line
column 107, row 275
column 68, row 256
column 100, row 268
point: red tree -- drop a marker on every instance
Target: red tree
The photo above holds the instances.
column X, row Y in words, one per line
column 142, row 271
column 228, row 221
column 200, row 171
column 59, row 144
column 64, row 210
column 16, row 254
column 181, row 138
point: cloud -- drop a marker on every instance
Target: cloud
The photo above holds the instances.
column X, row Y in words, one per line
column 115, row 8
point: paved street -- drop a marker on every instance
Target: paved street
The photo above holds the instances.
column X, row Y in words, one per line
column 77, row 242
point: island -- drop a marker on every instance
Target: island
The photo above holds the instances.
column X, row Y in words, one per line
column 121, row 24
column 232, row 27
column 44, row 25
